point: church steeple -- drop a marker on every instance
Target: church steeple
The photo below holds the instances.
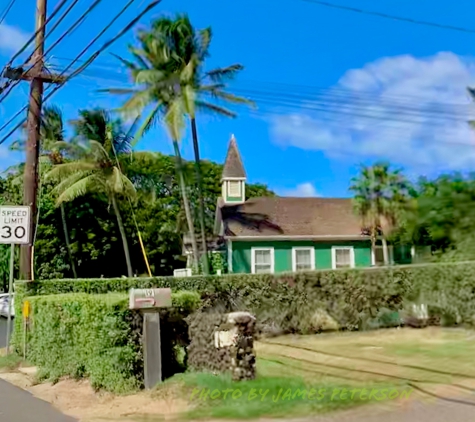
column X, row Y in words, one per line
column 233, row 179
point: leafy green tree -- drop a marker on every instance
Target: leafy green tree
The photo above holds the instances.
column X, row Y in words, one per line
column 169, row 68
column 98, row 169
column 53, row 148
column 380, row 197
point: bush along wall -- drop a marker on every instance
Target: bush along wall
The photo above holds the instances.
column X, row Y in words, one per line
column 289, row 302
column 97, row 337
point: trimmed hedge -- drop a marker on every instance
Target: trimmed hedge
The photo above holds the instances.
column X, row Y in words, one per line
column 288, row 301
column 98, row 337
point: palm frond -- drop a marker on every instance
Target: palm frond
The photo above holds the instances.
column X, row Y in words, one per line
column 119, row 91
column 225, row 73
column 147, row 123
column 189, row 100
column 232, row 98
column 137, row 102
column 174, row 120
column 80, row 188
column 62, row 171
column 98, row 150
column 69, row 181
column 209, row 107
column 18, row 145
column 126, row 63
column 204, row 41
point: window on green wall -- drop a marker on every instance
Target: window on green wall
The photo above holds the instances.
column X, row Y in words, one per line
column 303, row 259
column 343, row 257
column 262, row 260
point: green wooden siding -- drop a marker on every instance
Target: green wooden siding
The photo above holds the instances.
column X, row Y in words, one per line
column 241, row 253
column 234, row 199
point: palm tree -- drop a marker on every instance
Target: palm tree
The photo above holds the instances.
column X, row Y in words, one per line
column 98, row 169
column 169, row 71
column 380, row 197
column 53, row 149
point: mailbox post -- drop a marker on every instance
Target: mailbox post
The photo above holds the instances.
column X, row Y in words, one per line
column 149, row 301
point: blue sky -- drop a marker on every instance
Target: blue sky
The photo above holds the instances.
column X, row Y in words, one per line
column 340, row 88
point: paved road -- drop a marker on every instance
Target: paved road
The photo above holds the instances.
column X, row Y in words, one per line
column 17, row 405
column 415, row 412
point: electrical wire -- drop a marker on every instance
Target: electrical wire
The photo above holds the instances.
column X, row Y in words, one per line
column 342, row 98
column 64, row 35
column 91, row 59
column 7, row 10
column 33, row 37
column 9, row 84
column 93, row 70
column 348, row 105
column 68, row 31
column 389, row 16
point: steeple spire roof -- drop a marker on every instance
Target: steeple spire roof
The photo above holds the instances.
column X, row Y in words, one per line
column 233, row 166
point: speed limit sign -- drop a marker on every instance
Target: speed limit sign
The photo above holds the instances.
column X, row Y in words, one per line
column 15, row 225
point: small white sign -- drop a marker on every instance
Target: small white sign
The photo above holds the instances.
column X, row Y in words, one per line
column 15, row 224
column 224, row 338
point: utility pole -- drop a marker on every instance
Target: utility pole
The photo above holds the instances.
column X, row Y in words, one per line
column 37, row 76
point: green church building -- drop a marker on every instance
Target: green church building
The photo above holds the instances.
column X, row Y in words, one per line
column 279, row 234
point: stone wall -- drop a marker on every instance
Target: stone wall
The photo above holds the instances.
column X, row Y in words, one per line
column 223, row 343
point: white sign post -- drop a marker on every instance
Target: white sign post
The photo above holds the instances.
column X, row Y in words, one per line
column 14, row 230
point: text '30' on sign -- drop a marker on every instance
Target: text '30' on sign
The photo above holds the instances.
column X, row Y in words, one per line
column 15, row 225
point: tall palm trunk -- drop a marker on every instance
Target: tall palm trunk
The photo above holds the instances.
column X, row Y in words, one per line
column 66, row 238
column 196, row 149
column 186, row 204
column 124, row 237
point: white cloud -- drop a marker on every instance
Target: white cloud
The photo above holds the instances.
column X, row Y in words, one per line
column 306, row 190
column 12, row 38
column 412, row 111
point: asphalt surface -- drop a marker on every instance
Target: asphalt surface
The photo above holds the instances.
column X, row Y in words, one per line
column 438, row 411
column 17, row 405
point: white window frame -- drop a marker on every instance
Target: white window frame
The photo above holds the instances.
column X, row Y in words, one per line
column 238, row 188
column 294, row 257
column 352, row 255
column 253, row 258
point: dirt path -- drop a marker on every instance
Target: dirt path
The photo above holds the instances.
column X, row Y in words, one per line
column 79, row 401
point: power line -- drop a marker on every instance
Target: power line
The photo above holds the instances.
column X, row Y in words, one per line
column 11, row 84
column 361, row 96
column 68, row 31
column 340, row 115
column 390, row 17
column 376, row 106
column 91, row 59
column 33, row 37
column 7, row 10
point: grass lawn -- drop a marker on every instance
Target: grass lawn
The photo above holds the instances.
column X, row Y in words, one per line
column 275, row 393
column 301, row 376
column 342, row 370
column 426, row 357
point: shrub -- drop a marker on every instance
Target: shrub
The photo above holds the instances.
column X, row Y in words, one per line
column 98, row 337
column 288, row 301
